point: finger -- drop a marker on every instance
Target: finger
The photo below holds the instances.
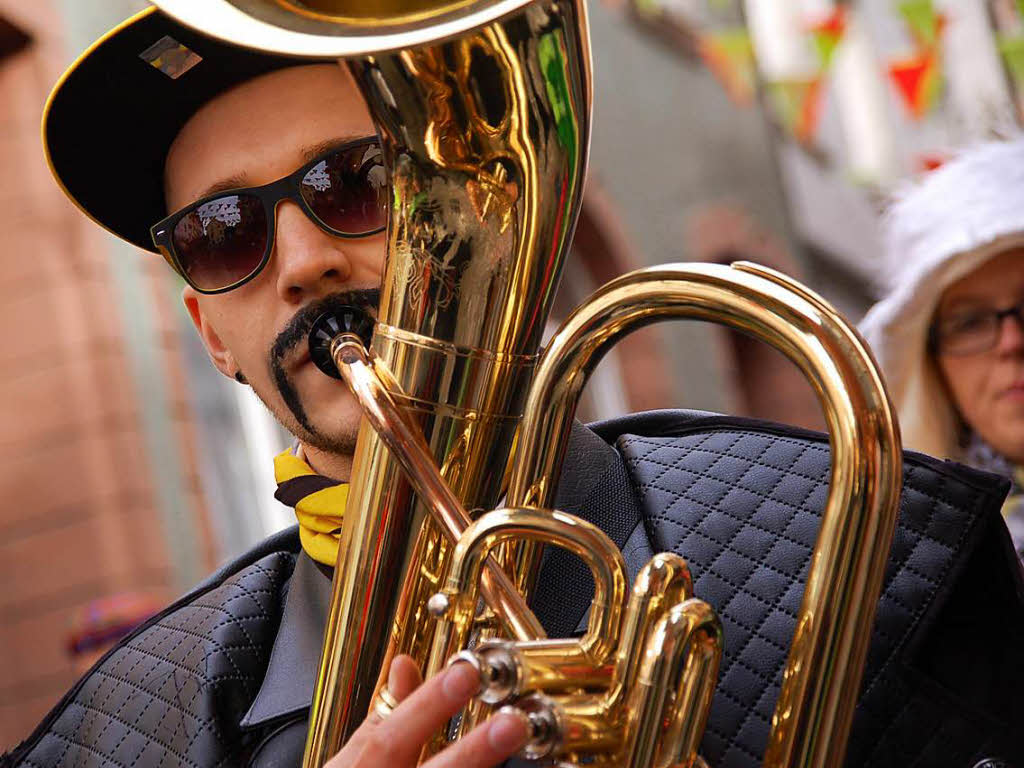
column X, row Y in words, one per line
column 403, row 677
column 487, row 745
column 411, row 724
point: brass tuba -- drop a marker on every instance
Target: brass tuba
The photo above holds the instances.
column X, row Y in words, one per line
column 483, row 109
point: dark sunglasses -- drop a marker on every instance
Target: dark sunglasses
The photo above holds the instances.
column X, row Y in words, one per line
column 224, row 240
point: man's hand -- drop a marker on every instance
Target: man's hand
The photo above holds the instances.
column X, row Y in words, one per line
column 396, row 741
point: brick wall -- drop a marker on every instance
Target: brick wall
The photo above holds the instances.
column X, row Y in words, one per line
column 79, row 517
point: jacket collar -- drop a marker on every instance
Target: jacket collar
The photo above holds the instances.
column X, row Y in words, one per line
column 287, row 687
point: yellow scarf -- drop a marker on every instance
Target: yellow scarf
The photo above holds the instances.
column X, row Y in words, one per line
column 319, row 504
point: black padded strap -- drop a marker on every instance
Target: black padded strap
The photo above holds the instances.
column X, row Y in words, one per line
column 595, row 487
column 742, row 501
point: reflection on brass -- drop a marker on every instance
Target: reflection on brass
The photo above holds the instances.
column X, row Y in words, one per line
column 483, row 111
column 372, row 13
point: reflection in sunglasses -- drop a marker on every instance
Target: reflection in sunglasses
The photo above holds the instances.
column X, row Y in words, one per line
column 224, row 210
column 318, row 178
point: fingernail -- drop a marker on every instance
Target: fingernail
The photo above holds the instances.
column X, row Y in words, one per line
column 507, row 732
column 392, row 678
column 461, row 681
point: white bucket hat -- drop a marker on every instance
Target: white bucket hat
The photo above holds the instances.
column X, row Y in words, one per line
column 938, row 231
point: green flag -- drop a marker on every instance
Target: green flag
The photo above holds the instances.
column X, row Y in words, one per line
column 826, row 35
column 1012, row 49
column 729, row 54
column 922, row 19
column 796, row 104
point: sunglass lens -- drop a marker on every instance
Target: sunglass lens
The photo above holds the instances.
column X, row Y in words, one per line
column 347, row 191
column 221, row 241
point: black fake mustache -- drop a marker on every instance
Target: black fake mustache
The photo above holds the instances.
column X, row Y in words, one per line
column 297, row 330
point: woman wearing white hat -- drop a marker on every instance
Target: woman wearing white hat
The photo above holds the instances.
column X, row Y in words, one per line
column 949, row 334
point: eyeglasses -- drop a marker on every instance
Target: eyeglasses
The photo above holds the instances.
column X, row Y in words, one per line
column 222, row 241
column 973, row 332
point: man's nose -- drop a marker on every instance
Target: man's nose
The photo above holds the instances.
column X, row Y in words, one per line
column 310, row 262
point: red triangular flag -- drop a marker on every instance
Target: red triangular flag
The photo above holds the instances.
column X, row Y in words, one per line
column 930, row 161
column 917, row 81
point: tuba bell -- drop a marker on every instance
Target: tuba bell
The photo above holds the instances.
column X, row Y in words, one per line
column 483, row 113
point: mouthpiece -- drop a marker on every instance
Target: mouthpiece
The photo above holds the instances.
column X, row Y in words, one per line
column 328, row 327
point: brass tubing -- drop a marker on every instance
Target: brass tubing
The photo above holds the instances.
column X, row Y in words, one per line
column 373, row 385
column 569, row 726
column 664, row 581
column 583, row 539
column 815, row 707
column 546, row 665
column 549, row 666
column 585, row 725
column 675, row 679
column 335, row 29
column 682, row 657
column 603, row 718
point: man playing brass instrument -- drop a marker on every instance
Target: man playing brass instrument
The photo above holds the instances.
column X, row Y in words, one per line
column 272, row 174
column 261, row 184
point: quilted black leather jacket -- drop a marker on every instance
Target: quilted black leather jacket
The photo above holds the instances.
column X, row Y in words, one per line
column 741, row 500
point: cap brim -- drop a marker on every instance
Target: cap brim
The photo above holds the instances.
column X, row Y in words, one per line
column 111, row 118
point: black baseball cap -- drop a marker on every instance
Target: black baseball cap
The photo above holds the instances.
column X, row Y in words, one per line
column 111, row 118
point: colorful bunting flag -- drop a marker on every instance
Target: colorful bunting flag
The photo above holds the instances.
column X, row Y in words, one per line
column 729, row 54
column 1012, row 49
column 826, row 35
column 918, row 81
column 930, row 161
column 925, row 23
column 645, row 7
column 797, row 105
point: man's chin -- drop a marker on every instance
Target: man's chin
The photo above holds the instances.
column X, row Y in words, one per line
column 333, row 416
column 338, row 443
column 332, row 427
column 321, row 413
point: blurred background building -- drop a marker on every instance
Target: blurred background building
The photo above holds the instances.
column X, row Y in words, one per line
column 768, row 130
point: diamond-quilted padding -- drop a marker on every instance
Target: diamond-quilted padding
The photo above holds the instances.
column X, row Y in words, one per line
column 742, row 502
column 744, row 508
column 174, row 693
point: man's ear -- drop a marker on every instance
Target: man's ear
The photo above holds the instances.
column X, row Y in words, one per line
column 220, row 355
